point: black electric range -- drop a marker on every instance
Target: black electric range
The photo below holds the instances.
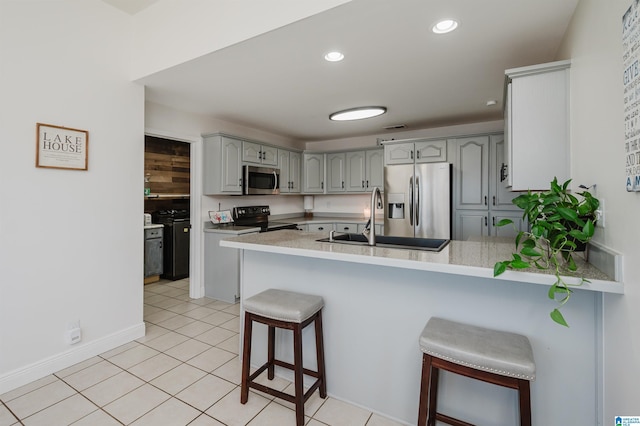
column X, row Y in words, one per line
column 258, row 216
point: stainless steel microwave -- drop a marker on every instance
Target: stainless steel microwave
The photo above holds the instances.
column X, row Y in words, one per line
column 261, row 180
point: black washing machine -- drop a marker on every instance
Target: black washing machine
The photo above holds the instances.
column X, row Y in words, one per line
column 177, row 227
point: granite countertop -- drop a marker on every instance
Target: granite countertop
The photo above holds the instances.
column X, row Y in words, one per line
column 471, row 258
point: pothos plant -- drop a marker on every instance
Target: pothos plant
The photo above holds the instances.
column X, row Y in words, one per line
column 560, row 224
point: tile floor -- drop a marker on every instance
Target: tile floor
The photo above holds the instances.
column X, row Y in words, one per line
column 185, row 371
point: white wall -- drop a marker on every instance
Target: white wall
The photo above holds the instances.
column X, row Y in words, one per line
column 168, row 33
column 71, row 244
column 593, row 42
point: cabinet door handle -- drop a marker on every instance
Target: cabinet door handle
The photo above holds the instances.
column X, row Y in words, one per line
column 485, row 200
column 417, row 154
column 342, row 184
column 363, row 184
column 346, row 228
column 485, row 221
column 412, row 154
column 367, row 184
column 494, row 200
column 320, row 228
column 322, row 185
column 493, row 220
column 503, row 172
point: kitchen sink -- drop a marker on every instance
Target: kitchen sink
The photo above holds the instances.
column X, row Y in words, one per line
column 389, row 241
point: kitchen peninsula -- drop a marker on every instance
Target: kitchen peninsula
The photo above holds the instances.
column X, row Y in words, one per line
column 378, row 300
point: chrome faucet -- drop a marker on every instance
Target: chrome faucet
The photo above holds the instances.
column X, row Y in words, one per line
column 370, row 228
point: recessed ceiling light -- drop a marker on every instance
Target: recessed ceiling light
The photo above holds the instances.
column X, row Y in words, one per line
column 492, row 102
column 334, row 56
column 357, row 113
column 445, row 26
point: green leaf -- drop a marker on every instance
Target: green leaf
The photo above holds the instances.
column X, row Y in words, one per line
column 531, row 252
column 504, row 222
column 499, row 268
column 557, row 317
column 589, row 228
column 519, row 264
column 572, row 263
column 569, row 214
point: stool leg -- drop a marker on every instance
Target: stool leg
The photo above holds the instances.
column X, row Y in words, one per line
column 320, row 355
column 524, row 395
column 246, row 358
column 271, row 352
column 433, row 395
column 298, row 377
column 424, row 390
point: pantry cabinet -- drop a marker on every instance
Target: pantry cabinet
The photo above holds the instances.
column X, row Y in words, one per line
column 537, row 125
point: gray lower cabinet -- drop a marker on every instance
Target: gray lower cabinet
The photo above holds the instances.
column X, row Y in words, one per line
column 221, row 269
column 153, row 258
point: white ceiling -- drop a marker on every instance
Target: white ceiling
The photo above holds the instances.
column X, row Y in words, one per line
column 279, row 81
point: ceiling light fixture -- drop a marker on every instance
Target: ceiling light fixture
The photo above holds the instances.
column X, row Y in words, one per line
column 358, row 113
column 334, row 56
column 492, row 102
column 445, row 26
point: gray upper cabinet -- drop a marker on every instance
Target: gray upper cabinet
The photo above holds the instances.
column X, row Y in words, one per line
column 374, row 165
column 222, row 165
column 355, row 171
column 434, row 151
column 537, row 125
column 336, row 172
column 356, row 167
column 420, row 151
column 289, row 163
column 259, row 154
column 313, row 173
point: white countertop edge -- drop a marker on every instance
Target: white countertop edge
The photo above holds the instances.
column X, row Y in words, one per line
column 473, row 271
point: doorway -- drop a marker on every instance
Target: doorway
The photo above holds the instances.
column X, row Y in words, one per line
column 170, row 192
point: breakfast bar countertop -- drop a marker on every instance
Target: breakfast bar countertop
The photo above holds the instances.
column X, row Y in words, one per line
column 469, row 258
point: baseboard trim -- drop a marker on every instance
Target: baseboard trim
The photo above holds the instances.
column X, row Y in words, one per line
column 37, row 370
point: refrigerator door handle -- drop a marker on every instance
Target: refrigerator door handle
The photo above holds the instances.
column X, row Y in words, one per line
column 411, row 201
column 417, row 201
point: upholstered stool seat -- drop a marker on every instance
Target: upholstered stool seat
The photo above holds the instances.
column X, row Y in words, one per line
column 497, row 357
column 292, row 311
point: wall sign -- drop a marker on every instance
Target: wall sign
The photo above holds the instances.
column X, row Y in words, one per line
column 61, row 147
column 631, row 82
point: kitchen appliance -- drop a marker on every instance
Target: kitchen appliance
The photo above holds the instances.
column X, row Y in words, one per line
column 177, row 228
column 147, row 219
column 417, row 200
column 261, row 180
column 258, row 216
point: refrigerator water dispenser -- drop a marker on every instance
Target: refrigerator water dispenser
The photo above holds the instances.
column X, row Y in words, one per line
column 395, row 206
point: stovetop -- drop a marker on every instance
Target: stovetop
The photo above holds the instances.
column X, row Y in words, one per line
column 258, row 216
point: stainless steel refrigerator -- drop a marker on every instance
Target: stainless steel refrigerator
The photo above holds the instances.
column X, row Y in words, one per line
column 417, row 200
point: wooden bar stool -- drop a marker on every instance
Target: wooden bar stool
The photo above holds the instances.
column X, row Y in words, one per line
column 291, row 311
column 497, row 357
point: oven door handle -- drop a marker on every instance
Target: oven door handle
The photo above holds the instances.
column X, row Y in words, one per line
column 275, row 180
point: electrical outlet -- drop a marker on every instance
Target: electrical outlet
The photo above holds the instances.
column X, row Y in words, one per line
column 73, row 334
column 600, row 215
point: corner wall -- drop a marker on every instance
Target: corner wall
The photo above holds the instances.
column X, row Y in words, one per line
column 71, row 242
column 594, row 44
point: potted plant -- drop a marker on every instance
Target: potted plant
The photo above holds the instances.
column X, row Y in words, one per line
column 559, row 225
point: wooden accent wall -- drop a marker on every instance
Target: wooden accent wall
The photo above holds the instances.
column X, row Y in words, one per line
column 167, row 163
